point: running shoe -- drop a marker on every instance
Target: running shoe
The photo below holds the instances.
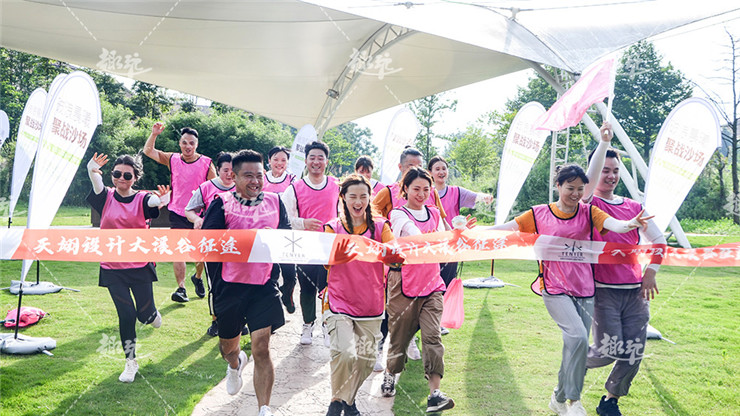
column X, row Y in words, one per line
column 306, row 336
column 180, row 295
column 200, row 290
column 213, row 329
column 438, row 401
column 265, row 411
column 157, row 322
column 245, row 330
column 350, row 410
column 129, row 372
column 388, row 388
column 327, row 340
column 608, row 407
column 443, row 330
column 576, row 409
column 335, row 409
column 378, row 367
column 557, row 407
column 234, row 375
column 413, row 351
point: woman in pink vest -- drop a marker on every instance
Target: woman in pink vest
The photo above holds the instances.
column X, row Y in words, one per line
column 415, row 293
column 364, row 166
column 188, row 170
column 123, row 207
column 196, row 210
column 453, row 198
column 354, row 302
column 567, row 288
column 277, row 180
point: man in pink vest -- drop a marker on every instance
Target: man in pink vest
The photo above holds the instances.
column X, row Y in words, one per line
column 622, row 291
column 189, row 169
column 243, row 292
column 311, row 202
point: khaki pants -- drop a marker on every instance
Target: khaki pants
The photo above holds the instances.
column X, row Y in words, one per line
column 353, row 349
column 405, row 316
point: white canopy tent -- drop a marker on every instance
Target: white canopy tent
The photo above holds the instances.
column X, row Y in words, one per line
column 279, row 58
column 326, row 62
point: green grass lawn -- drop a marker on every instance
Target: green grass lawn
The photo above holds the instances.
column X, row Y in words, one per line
column 67, row 215
column 503, row 361
column 505, row 358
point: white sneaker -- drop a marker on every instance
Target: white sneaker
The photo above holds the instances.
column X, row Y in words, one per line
column 129, row 373
column 234, row 375
column 379, row 362
column 307, row 334
column 413, row 351
column 443, row 330
column 576, row 409
column 557, row 407
column 157, row 322
column 327, row 340
column 265, row 411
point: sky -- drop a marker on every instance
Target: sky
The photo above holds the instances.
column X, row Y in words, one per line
column 697, row 51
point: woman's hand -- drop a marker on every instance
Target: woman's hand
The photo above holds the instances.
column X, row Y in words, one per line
column 344, row 253
column 163, row 192
column 640, row 221
column 100, row 160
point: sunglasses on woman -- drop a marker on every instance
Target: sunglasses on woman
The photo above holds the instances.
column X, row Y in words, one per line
column 126, row 175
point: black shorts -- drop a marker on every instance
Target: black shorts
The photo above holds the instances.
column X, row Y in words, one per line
column 178, row 222
column 257, row 306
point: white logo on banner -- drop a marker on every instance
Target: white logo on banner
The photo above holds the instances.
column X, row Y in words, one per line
column 523, row 145
column 297, row 162
column 686, row 141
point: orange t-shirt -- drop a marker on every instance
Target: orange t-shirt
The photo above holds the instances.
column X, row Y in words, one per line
column 527, row 225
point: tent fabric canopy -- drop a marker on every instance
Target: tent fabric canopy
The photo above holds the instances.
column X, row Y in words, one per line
column 279, row 58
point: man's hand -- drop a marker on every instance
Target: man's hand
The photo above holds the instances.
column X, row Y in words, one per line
column 607, row 134
column 649, row 285
column 157, row 128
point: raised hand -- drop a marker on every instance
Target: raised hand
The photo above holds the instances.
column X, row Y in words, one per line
column 607, row 134
column 100, row 160
column 163, row 192
column 157, row 128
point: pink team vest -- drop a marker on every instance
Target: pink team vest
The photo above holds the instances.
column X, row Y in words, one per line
column 278, row 187
column 618, row 274
column 185, row 178
column 357, row 288
column 451, row 203
column 209, row 190
column 117, row 215
column 422, row 279
column 574, row 279
column 378, row 186
column 242, row 217
column 397, row 201
column 317, row 203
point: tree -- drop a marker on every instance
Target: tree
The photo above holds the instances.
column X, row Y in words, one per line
column 149, row 101
column 427, row 110
column 645, row 93
column 346, row 143
column 729, row 113
column 473, row 152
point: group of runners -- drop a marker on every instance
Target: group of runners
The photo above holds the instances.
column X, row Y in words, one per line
column 371, row 304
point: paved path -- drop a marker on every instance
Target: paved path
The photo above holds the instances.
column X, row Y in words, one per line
column 302, row 385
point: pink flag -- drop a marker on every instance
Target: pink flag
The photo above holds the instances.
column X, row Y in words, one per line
column 595, row 84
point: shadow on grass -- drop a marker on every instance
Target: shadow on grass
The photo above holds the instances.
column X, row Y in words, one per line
column 487, row 368
column 667, row 401
column 163, row 387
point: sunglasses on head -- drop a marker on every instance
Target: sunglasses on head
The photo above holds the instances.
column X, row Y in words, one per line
column 126, row 175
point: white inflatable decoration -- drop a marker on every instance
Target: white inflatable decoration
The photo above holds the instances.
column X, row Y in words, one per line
column 25, row 345
column 38, row 288
column 653, row 333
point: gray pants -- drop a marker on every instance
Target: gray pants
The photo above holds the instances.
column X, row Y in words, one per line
column 620, row 332
column 573, row 316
